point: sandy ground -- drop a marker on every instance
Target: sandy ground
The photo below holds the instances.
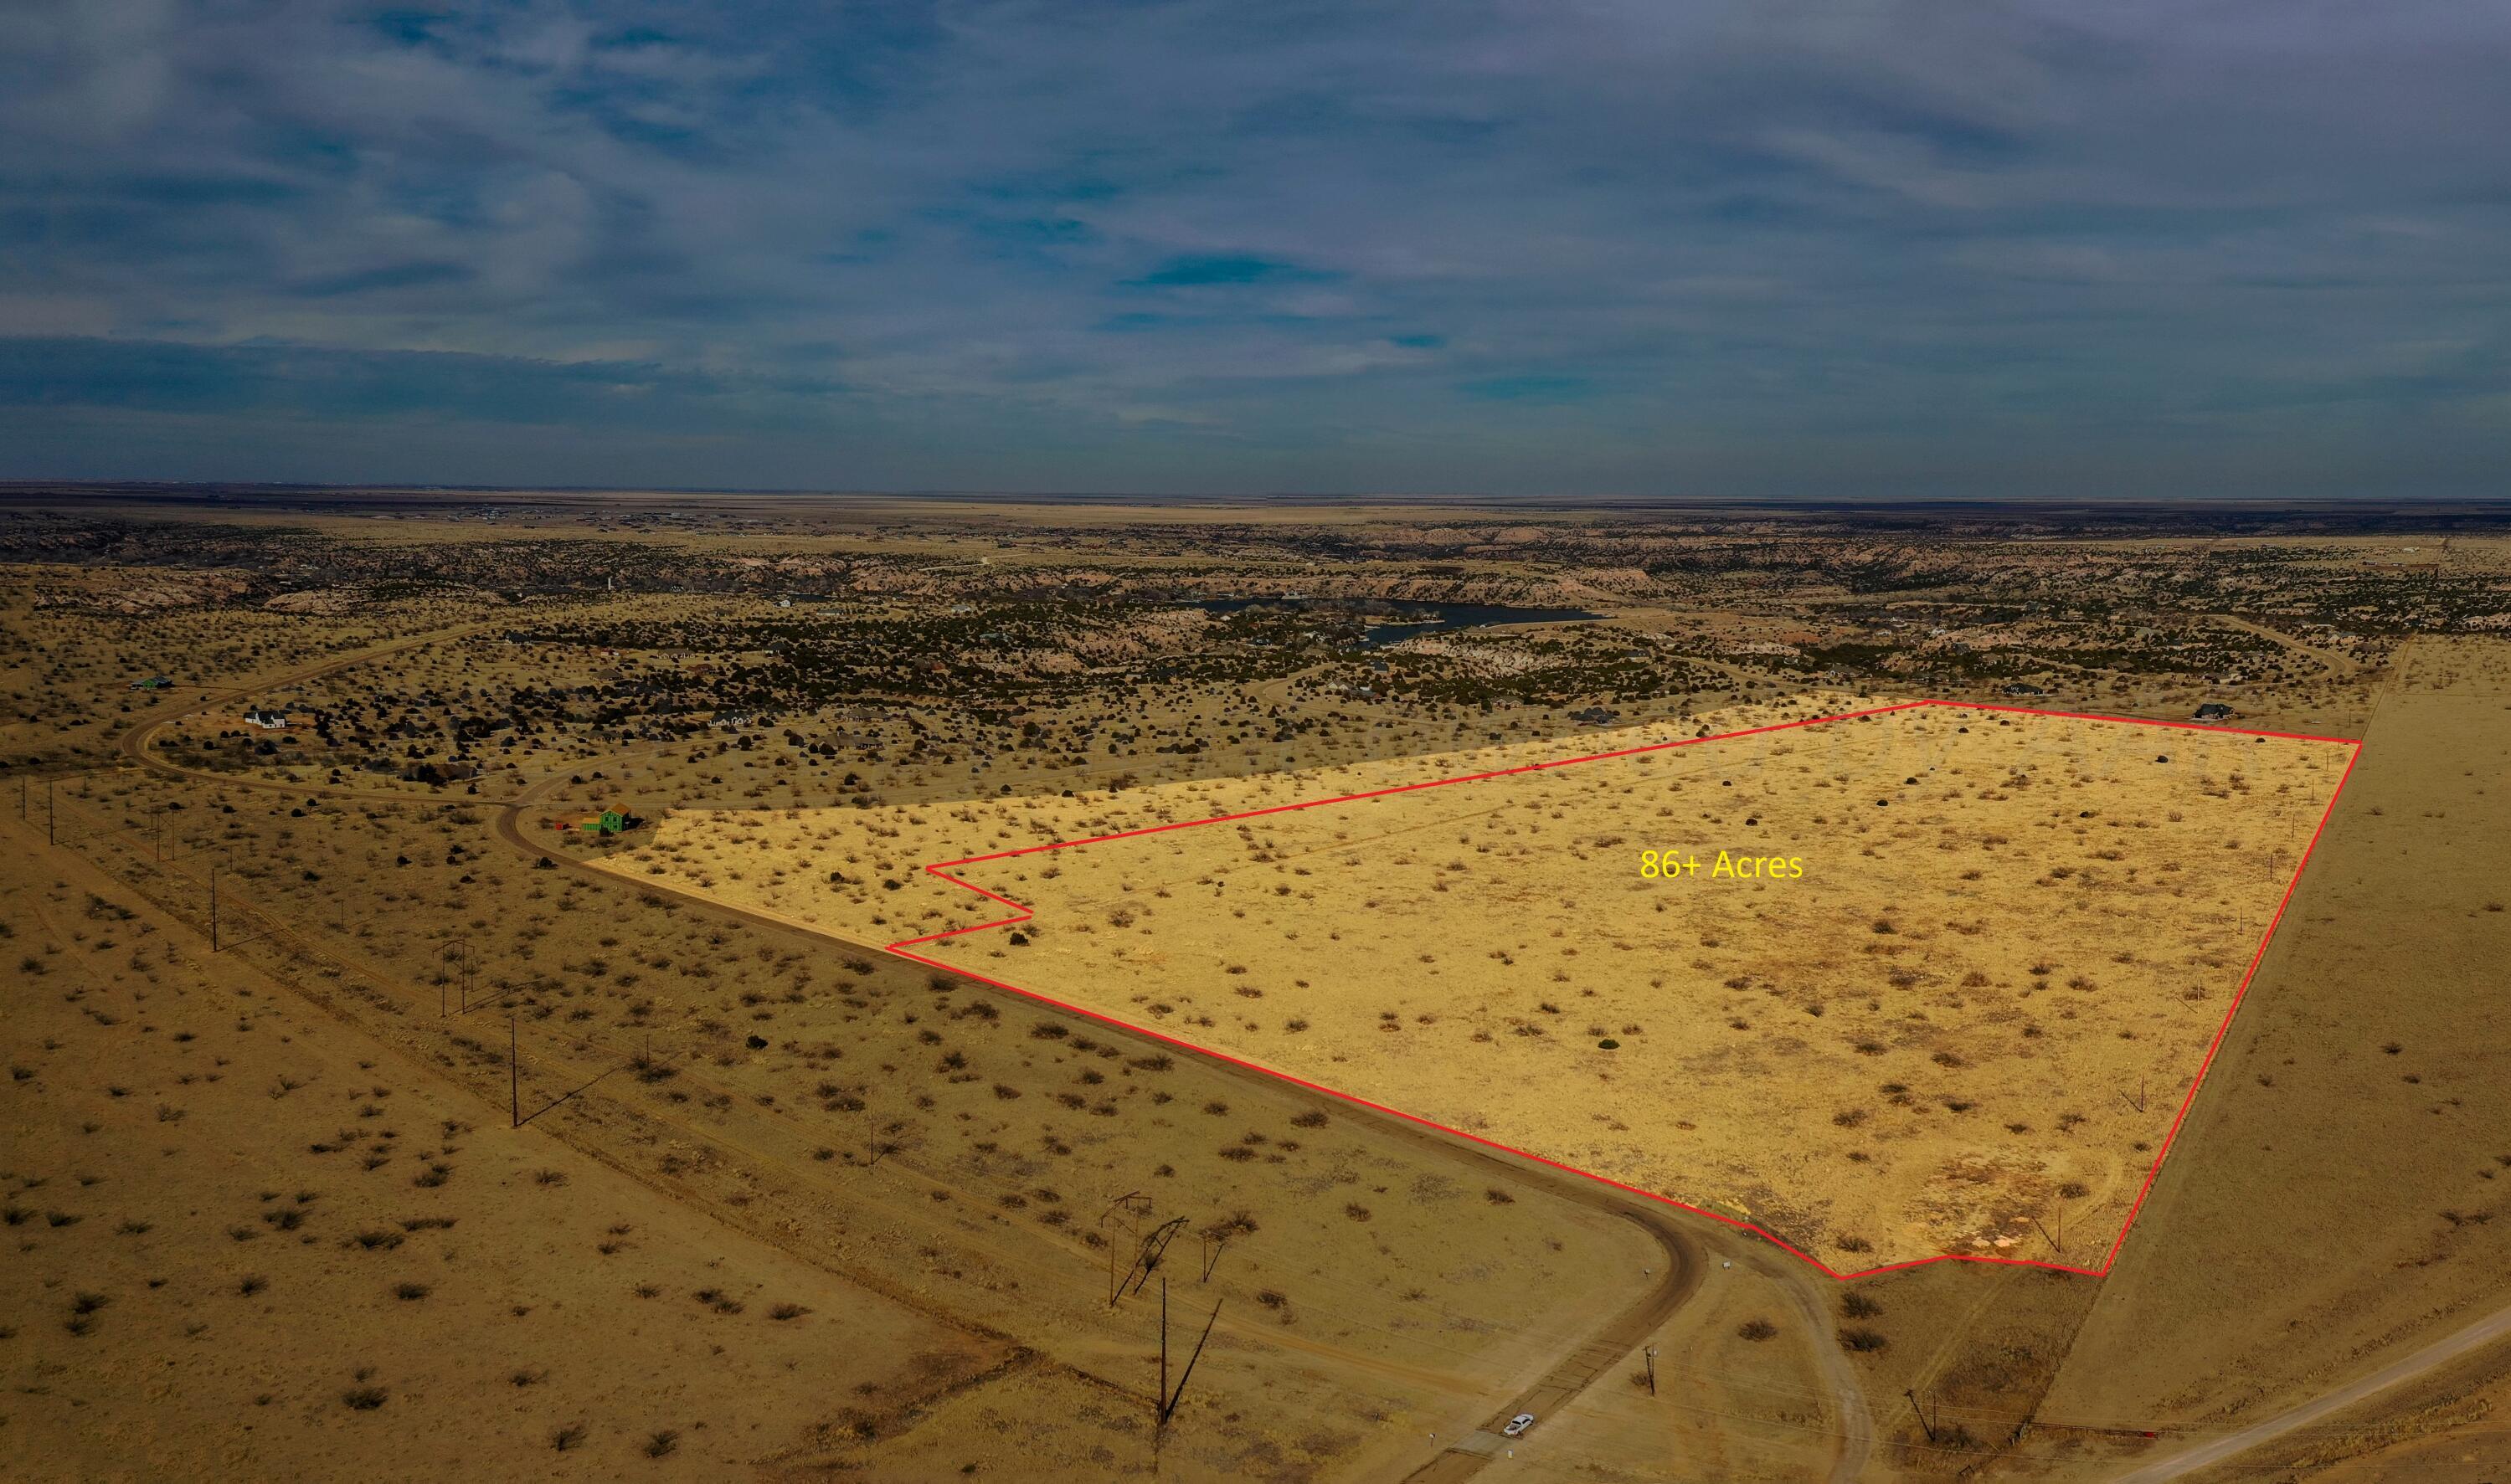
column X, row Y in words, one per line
column 2454, row 1433
column 1739, row 1395
column 2338, row 1200
column 1380, row 1281
column 245, row 1240
column 2352, row 1122
column 1971, row 1017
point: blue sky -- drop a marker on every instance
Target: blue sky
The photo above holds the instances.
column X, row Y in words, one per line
column 1759, row 249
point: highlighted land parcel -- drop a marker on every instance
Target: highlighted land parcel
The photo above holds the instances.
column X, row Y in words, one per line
column 1968, row 1029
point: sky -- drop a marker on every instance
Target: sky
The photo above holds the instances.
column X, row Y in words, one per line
column 1766, row 249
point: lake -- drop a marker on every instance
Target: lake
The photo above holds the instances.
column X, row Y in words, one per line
column 1413, row 616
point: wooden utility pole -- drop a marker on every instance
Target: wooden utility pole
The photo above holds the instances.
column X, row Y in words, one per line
column 1127, row 1203
column 1920, row 1413
column 1651, row 1368
column 469, row 959
column 213, row 909
column 1151, row 1252
column 1164, row 1350
column 1168, row 1405
column 515, row 1064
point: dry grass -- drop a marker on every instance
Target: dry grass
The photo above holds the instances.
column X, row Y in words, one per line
column 2335, row 1202
column 1967, row 1023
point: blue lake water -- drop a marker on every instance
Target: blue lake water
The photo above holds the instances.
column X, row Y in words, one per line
column 1415, row 617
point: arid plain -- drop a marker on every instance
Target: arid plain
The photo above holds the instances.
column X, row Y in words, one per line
column 1956, row 1017
column 362, row 1081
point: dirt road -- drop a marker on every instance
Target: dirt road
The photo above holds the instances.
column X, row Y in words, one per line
column 2345, row 666
column 1855, row 1439
column 1592, row 1357
column 2484, row 1332
column 136, row 743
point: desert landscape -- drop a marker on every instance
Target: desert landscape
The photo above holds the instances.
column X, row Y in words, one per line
column 1911, row 969
column 1598, row 743
column 498, row 991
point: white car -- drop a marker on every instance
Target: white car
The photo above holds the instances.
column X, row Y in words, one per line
column 1518, row 1424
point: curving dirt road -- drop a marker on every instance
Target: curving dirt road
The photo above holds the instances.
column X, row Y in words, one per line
column 136, row 744
column 2344, row 667
column 1600, row 1352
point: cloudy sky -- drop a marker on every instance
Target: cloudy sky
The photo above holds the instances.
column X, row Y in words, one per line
column 1700, row 248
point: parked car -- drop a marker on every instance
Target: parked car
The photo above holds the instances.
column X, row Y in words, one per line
column 1518, row 1424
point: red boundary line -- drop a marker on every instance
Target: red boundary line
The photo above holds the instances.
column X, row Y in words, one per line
column 1022, row 914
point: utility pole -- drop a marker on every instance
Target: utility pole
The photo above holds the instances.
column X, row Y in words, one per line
column 469, row 961
column 1164, row 1345
column 1168, row 1405
column 1151, row 1251
column 1112, row 1257
column 515, row 1064
column 1651, row 1368
column 213, row 909
column 1921, row 1412
column 1131, row 1203
column 51, row 813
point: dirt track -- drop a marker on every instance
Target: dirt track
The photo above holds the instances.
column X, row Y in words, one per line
column 2474, row 1337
